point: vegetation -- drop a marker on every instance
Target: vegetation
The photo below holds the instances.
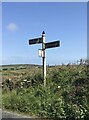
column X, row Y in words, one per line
column 66, row 94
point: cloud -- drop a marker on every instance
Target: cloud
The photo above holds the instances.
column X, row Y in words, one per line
column 12, row 27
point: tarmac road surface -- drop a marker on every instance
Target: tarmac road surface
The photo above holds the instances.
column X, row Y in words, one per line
column 6, row 114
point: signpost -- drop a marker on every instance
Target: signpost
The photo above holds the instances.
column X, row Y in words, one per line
column 42, row 52
column 35, row 41
column 44, row 58
column 52, row 44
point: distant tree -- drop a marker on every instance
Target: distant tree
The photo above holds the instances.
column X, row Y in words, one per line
column 81, row 61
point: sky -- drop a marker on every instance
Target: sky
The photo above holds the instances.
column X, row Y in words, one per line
column 66, row 22
column 44, row 0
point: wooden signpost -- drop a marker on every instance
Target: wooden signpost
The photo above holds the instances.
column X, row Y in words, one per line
column 42, row 52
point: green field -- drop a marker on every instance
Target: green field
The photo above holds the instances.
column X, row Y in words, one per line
column 66, row 94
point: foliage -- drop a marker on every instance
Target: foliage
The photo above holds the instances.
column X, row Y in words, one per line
column 65, row 96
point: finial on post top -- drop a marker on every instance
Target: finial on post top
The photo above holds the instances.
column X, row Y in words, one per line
column 43, row 32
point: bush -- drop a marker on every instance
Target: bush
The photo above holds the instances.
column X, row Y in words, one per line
column 65, row 96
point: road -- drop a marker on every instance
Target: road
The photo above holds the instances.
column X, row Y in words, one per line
column 6, row 114
column 14, row 116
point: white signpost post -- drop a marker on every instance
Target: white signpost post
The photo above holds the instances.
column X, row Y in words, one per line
column 44, row 57
column 42, row 52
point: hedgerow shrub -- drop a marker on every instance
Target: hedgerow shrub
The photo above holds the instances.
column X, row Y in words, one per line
column 66, row 94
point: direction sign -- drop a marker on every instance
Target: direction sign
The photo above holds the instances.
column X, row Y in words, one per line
column 41, row 53
column 35, row 41
column 52, row 44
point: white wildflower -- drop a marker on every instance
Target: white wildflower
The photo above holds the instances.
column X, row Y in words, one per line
column 25, row 80
column 59, row 86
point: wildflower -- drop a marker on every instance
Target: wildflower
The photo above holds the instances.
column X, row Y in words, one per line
column 59, row 86
column 25, row 80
